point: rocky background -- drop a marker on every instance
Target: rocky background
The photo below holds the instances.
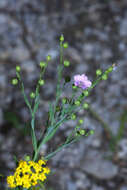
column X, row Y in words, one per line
column 97, row 35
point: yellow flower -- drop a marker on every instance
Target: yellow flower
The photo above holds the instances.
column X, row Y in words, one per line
column 42, row 162
column 11, row 181
column 41, row 177
column 46, row 170
column 28, row 173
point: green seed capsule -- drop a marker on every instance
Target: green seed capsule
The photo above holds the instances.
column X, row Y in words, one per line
column 110, row 69
column 73, row 116
column 80, row 121
column 14, row 81
column 48, row 57
column 32, row 95
column 98, row 72
column 65, row 45
column 91, row 132
column 62, row 38
column 27, row 158
column 104, row 77
column 66, row 63
column 82, row 132
column 85, row 106
column 77, row 103
column 41, row 82
column 86, row 93
column 42, row 64
column 18, row 68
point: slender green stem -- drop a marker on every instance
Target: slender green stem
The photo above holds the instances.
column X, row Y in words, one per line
column 34, row 140
column 66, row 144
column 52, row 130
column 38, row 85
column 23, row 92
column 50, row 133
column 58, row 89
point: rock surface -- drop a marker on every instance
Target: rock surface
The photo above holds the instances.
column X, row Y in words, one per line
column 97, row 166
column 96, row 33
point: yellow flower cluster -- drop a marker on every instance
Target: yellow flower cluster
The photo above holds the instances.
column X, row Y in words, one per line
column 27, row 174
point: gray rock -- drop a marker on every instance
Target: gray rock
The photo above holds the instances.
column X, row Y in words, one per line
column 1, row 117
column 48, row 90
column 71, row 185
column 98, row 167
column 28, row 66
column 124, row 187
column 82, row 180
column 20, row 53
column 111, row 184
column 3, row 3
column 122, row 152
column 123, row 27
column 88, row 50
column 3, row 81
column 95, row 187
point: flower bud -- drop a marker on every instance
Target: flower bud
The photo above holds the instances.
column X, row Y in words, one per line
column 14, row 81
column 66, row 63
column 73, row 116
column 27, row 158
column 18, row 68
column 91, row 132
column 41, row 82
column 110, row 69
column 65, row 45
column 32, row 95
column 98, row 72
column 62, row 38
column 85, row 105
column 77, row 103
column 82, row 132
column 86, row 93
column 104, row 77
column 48, row 57
column 42, row 64
column 80, row 121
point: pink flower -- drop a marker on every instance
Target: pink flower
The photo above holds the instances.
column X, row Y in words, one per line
column 82, row 81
